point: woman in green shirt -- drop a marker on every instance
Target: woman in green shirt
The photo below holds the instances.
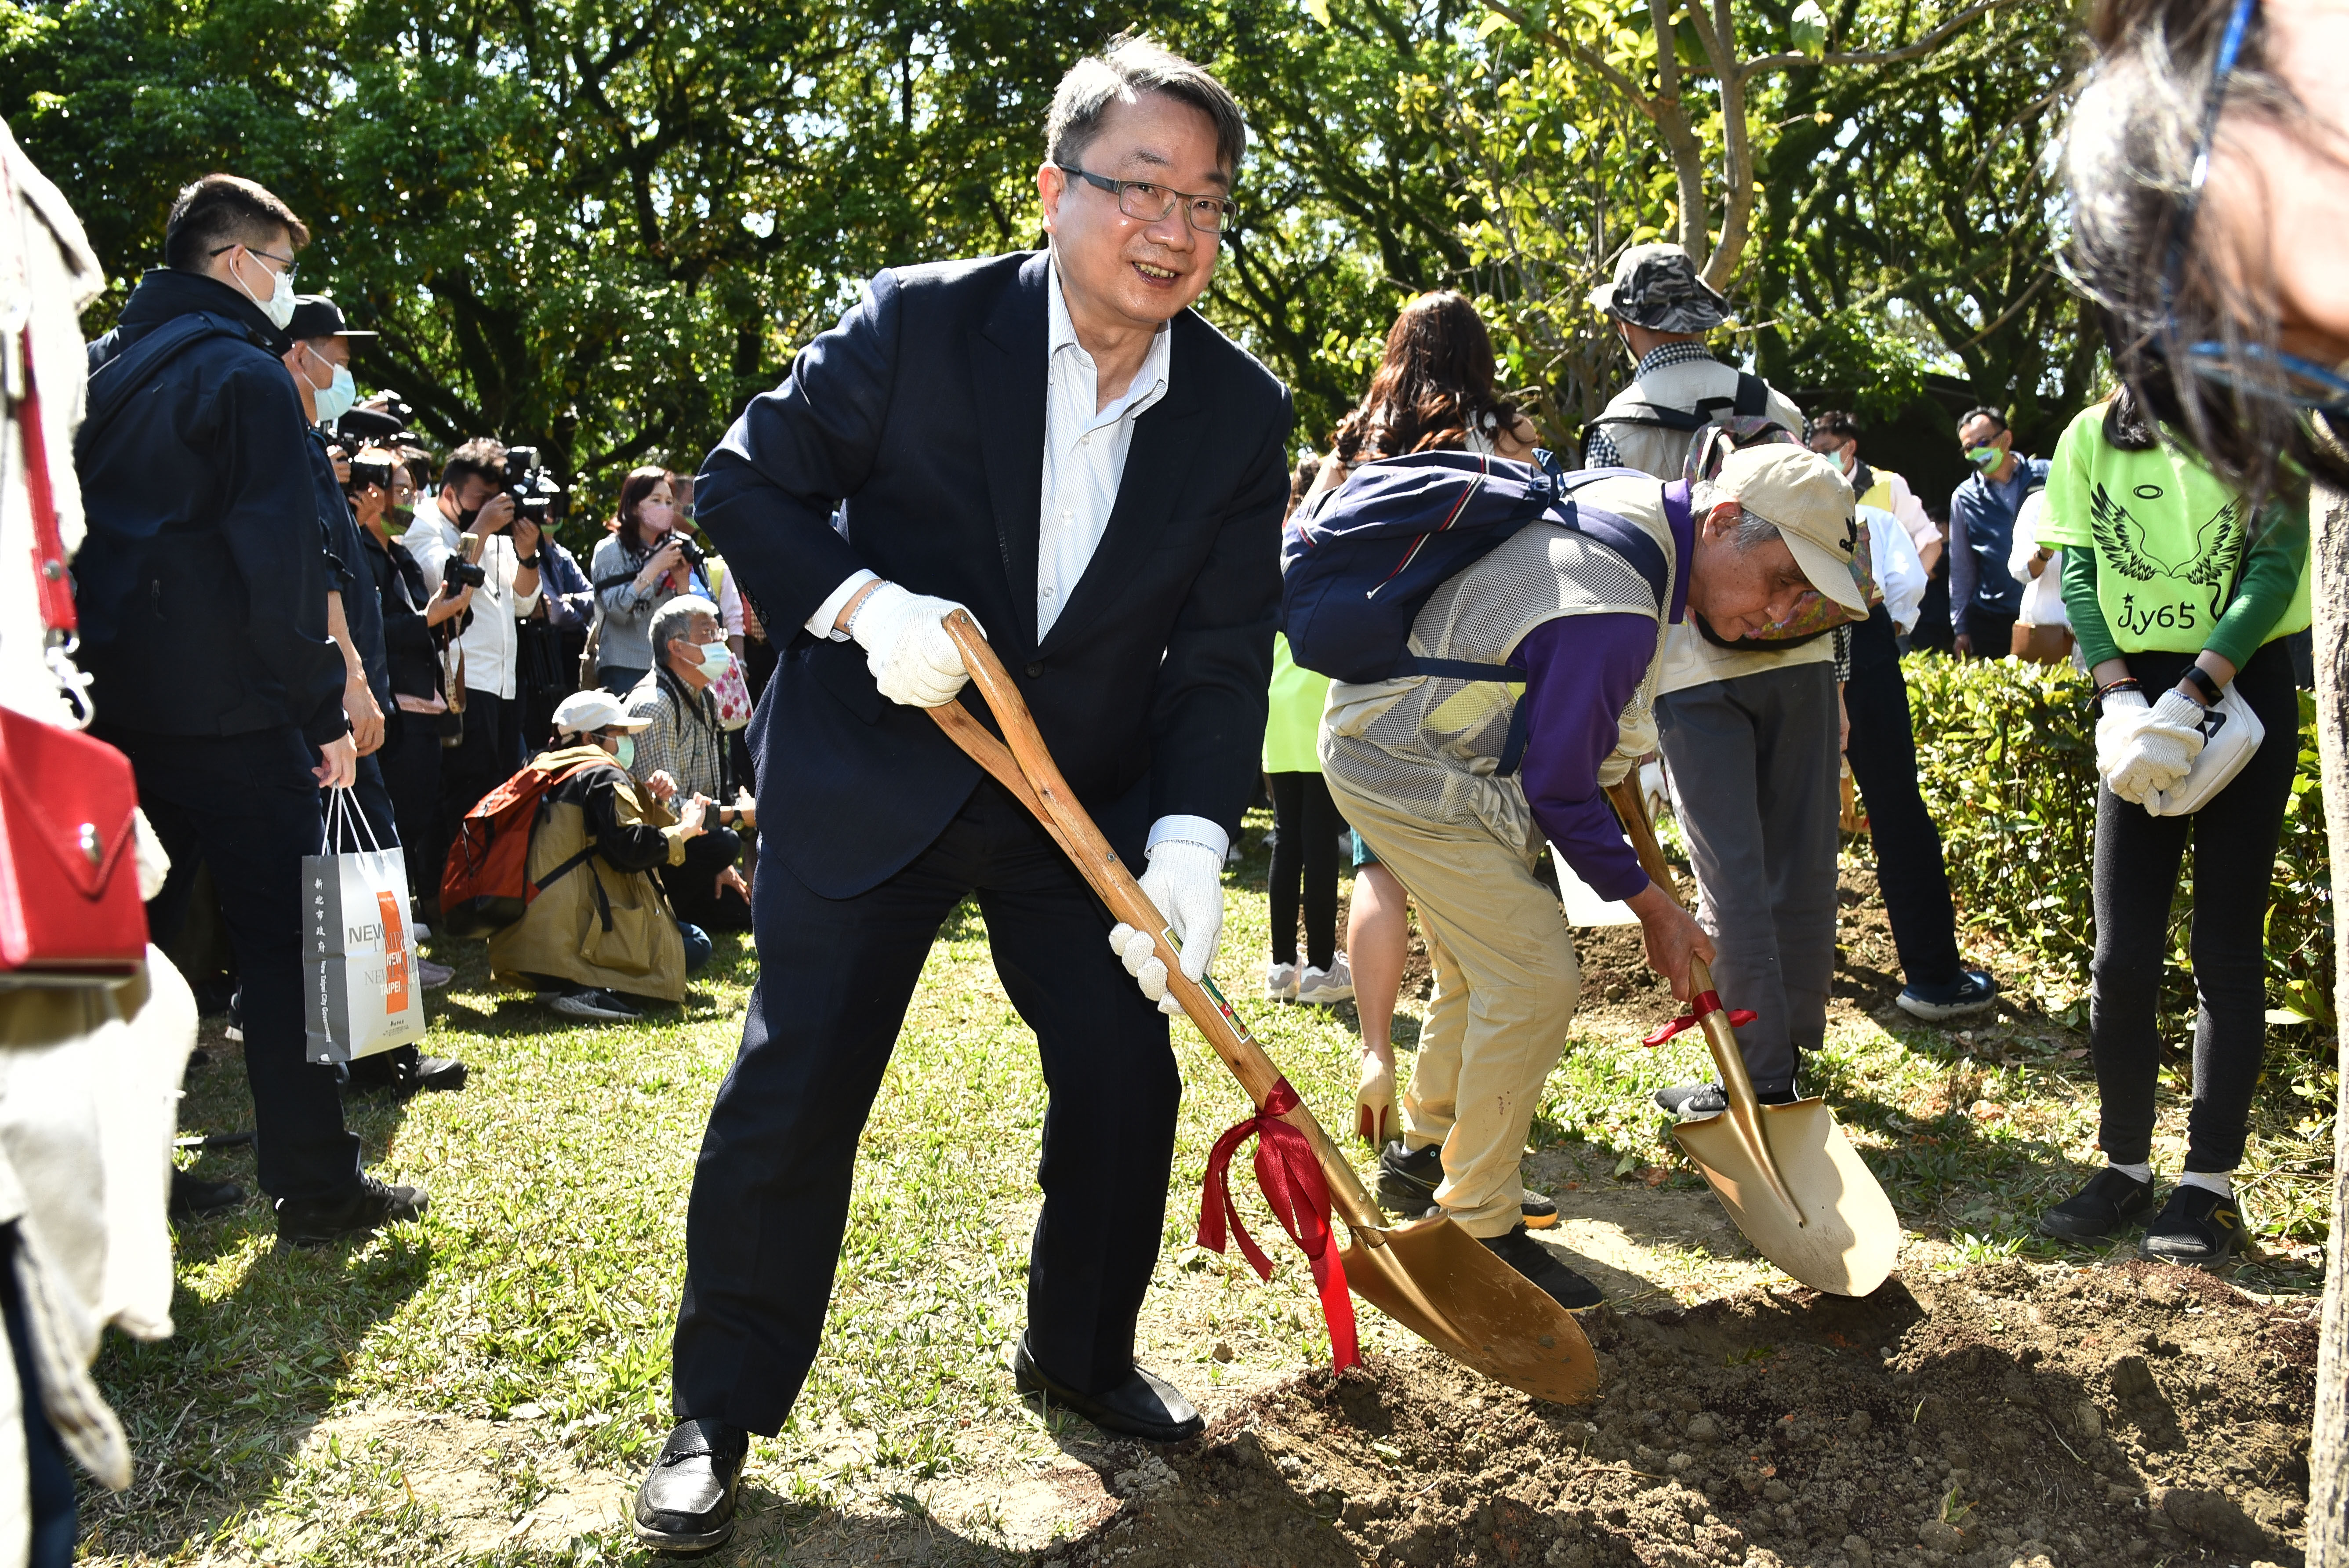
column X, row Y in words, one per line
column 2172, row 596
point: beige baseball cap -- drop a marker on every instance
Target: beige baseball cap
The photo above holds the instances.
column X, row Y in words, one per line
column 1812, row 503
column 586, row 712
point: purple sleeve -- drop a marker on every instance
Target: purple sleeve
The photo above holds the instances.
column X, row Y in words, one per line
column 1579, row 672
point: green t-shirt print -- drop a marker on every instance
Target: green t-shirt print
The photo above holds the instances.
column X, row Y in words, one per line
column 2148, row 587
column 2155, row 552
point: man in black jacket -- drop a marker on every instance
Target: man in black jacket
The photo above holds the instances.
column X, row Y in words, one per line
column 1056, row 443
column 202, row 588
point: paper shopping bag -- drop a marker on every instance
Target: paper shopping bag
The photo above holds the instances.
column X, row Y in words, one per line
column 360, row 957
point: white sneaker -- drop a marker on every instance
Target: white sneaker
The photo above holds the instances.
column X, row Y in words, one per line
column 1322, row 987
column 1280, row 982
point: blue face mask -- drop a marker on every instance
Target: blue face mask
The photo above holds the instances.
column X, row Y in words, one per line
column 335, row 399
column 716, row 660
column 624, row 750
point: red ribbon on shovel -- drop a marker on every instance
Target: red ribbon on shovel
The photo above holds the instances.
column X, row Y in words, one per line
column 1703, row 1003
column 1292, row 1183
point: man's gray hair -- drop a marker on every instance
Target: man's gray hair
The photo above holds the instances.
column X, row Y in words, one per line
column 1131, row 66
column 673, row 623
column 1751, row 531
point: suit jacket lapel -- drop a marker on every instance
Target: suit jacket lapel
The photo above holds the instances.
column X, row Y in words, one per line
column 1008, row 373
column 1164, row 439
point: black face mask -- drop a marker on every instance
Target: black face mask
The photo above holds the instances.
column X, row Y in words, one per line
column 465, row 518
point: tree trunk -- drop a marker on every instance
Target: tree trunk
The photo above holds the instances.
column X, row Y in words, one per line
column 2328, row 1453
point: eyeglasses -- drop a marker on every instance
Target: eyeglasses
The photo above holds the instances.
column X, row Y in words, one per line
column 1149, row 203
column 285, row 264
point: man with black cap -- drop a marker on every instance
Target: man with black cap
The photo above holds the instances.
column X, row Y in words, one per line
column 1661, row 309
column 1750, row 736
column 202, row 590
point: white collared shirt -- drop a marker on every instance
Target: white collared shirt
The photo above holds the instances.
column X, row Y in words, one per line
column 492, row 640
column 1085, row 447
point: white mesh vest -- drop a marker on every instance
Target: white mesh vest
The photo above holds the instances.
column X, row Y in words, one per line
column 1654, row 449
column 1433, row 744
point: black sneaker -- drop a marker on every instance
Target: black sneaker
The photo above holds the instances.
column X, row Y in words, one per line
column 193, row 1197
column 1531, row 1259
column 2112, row 1200
column 687, row 1502
column 370, row 1206
column 2196, row 1226
column 1408, row 1180
column 234, row 1029
column 1689, row 1100
column 405, row 1074
column 1973, row 991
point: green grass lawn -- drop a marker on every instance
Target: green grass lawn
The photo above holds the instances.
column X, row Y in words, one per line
column 535, row 1298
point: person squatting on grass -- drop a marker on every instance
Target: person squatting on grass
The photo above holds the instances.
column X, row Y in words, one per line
column 1414, row 764
column 600, row 930
column 2174, row 592
column 1057, row 441
column 682, row 742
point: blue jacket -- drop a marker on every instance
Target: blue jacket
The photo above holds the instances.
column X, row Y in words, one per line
column 202, row 586
column 923, row 411
column 348, row 570
column 1982, row 514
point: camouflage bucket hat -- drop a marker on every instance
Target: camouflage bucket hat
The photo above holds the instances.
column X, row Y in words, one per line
column 1656, row 288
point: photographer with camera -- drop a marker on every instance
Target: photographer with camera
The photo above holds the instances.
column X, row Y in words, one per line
column 648, row 562
column 410, row 758
column 474, row 532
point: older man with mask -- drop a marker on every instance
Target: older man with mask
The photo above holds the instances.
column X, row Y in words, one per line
column 1056, row 441
column 682, row 751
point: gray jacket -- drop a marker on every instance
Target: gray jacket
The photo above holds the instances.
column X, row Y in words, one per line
column 626, row 642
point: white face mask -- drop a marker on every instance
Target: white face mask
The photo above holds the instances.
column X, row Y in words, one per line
column 624, row 750
column 335, row 398
column 716, row 658
column 279, row 306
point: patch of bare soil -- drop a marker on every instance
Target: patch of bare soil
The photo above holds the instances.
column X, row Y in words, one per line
column 1989, row 1420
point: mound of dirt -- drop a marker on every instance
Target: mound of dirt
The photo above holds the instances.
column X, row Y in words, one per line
column 1992, row 1419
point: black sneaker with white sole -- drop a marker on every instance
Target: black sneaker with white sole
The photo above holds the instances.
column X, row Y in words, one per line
column 2111, row 1202
column 2196, row 1227
column 593, row 1005
column 1530, row 1258
column 1408, row 1180
column 1973, row 991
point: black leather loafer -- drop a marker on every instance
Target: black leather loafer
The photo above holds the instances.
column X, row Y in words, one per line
column 686, row 1503
column 1144, row 1406
column 2111, row 1201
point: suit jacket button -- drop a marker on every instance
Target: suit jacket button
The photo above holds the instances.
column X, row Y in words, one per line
column 1035, row 669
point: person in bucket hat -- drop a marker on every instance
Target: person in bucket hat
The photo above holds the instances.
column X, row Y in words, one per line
column 1657, row 286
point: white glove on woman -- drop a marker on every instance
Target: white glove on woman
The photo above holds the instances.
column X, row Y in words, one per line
column 905, row 644
column 1185, row 883
column 2125, row 713
column 2160, row 750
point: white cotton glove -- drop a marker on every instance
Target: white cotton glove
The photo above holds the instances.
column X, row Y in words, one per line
column 2160, row 752
column 2125, row 713
column 1185, row 883
column 905, row 644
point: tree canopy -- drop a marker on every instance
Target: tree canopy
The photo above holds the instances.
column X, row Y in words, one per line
column 597, row 226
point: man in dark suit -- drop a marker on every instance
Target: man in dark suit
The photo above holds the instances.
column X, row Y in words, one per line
column 1058, row 443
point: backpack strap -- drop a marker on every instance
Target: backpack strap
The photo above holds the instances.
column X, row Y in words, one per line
column 113, row 383
column 1752, row 396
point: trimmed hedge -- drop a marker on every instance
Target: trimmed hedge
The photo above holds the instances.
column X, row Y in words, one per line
column 2006, row 756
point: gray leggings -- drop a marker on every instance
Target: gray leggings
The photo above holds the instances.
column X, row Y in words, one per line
column 2138, row 858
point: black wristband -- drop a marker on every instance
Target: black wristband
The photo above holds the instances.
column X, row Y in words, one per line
column 2200, row 680
column 529, row 563
column 2126, row 682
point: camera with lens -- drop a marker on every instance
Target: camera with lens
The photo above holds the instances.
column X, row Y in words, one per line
column 535, row 494
column 365, row 473
column 686, row 547
column 456, row 574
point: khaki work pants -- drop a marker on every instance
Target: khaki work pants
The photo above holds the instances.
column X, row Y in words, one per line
column 1506, row 988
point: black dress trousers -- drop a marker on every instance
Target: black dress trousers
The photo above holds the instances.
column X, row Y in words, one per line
column 770, row 1191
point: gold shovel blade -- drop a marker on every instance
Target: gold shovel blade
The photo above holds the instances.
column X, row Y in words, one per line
column 1447, row 1287
column 1849, row 1234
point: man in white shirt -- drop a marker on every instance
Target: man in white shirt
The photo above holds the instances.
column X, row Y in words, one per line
column 472, row 521
column 1058, row 443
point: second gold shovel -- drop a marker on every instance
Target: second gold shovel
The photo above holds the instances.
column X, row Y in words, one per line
column 1790, row 1179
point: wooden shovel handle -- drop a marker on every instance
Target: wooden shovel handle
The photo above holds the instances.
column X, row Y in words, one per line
column 1027, row 770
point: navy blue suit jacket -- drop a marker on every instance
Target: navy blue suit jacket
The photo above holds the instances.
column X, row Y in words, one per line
column 924, row 412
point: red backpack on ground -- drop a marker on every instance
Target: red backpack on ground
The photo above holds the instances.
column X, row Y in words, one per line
column 486, row 885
